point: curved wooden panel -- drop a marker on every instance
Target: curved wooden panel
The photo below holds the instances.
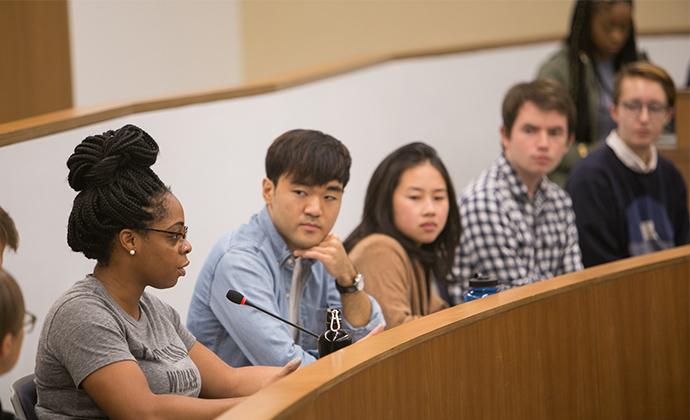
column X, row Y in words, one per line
column 610, row 342
column 54, row 122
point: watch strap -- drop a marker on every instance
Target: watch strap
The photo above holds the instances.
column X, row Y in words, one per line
column 356, row 286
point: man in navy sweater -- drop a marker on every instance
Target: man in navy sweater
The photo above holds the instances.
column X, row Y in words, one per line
column 628, row 200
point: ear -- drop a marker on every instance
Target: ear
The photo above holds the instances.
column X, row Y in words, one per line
column 614, row 113
column 669, row 115
column 571, row 140
column 6, row 345
column 505, row 138
column 268, row 190
column 127, row 240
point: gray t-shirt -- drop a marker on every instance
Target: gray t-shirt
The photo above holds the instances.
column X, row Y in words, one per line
column 86, row 330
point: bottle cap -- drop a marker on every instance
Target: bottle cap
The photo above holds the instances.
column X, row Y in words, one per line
column 482, row 280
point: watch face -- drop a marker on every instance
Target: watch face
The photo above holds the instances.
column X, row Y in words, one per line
column 359, row 282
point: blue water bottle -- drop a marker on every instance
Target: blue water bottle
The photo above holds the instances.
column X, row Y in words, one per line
column 480, row 286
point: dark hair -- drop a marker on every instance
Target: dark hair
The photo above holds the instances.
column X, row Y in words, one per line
column 117, row 189
column 579, row 41
column 309, row 157
column 545, row 94
column 8, row 232
column 647, row 71
column 377, row 216
column 11, row 305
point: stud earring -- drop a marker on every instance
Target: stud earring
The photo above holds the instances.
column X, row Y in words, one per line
column 132, row 252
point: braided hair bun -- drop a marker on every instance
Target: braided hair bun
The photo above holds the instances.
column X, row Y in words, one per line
column 98, row 159
column 117, row 189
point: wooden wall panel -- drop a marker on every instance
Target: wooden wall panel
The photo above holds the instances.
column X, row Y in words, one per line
column 679, row 154
column 35, row 75
column 281, row 37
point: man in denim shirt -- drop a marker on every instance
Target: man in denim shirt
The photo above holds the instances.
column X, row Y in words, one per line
column 286, row 261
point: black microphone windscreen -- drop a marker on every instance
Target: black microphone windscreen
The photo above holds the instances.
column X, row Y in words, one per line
column 235, row 297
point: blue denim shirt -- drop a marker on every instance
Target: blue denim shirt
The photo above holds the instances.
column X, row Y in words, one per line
column 255, row 261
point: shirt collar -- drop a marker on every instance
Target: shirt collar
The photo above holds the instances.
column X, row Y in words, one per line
column 518, row 188
column 628, row 157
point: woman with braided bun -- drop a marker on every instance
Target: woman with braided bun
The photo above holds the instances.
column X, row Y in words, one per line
column 600, row 42
column 108, row 348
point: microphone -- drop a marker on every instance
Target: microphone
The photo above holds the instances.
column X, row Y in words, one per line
column 236, row 297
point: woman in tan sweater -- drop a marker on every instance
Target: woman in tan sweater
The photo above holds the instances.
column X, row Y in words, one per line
column 410, row 228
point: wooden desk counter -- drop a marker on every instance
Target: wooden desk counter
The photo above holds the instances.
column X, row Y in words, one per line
column 610, row 342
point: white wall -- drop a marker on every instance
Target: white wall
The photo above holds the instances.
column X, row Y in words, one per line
column 125, row 50
column 670, row 52
column 212, row 154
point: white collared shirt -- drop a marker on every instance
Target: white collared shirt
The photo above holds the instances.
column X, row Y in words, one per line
column 628, row 157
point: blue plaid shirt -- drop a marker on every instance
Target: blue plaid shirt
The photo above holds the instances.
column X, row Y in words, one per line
column 255, row 261
column 511, row 237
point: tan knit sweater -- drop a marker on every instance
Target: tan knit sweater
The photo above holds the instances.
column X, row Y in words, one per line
column 398, row 284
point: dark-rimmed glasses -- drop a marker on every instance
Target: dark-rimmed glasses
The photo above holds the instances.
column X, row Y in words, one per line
column 29, row 321
column 179, row 236
column 654, row 109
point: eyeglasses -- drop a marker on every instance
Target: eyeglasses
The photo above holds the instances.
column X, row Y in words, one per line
column 29, row 321
column 654, row 109
column 179, row 236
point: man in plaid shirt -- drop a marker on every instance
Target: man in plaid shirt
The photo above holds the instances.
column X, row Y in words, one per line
column 517, row 225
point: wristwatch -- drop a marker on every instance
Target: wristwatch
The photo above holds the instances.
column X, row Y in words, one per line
column 356, row 286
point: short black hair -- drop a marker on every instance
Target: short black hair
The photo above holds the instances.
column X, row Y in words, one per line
column 377, row 216
column 117, row 189
column 309, row 157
